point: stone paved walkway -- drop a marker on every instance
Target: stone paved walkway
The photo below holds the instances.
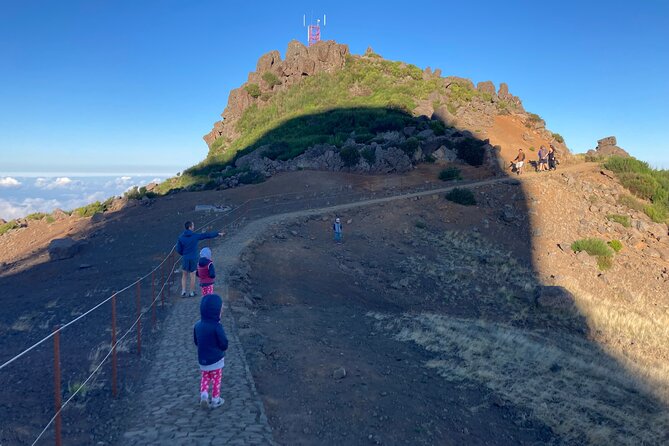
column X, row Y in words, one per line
column 166, row 411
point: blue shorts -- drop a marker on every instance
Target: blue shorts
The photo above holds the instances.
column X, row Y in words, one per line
column 189, row 265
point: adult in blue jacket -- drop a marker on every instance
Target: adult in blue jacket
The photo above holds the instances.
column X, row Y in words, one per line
column 188, row 250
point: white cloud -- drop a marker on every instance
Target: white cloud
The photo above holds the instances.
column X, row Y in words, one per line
column 10, row 210
column 58, row 183
column 9, row 182
column 120, row 182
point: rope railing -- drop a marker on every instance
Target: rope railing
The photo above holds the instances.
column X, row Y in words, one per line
column 242, row 210
column 111, row 350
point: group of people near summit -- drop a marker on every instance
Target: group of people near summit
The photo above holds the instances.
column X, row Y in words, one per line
column 547, row 160
column 208, row 333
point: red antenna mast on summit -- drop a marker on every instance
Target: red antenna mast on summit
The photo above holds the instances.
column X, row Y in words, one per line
column 314, row 30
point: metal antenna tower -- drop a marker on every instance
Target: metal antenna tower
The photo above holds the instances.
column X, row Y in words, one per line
column 313, row 29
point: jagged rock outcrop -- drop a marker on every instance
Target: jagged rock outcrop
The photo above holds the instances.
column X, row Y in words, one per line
column 300, row 62
column 607, row 147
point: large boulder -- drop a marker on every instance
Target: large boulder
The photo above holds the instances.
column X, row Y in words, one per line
column 607, row 147
column 64, row 248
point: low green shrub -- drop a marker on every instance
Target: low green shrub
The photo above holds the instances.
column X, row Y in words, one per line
column 90, row 210
column 350, row 156
column 271, row 79
column 657, row 212
column 137, row 193
column 410, row 146
column 449, row 174
column 557, row 137
column 471, row 151
column 622, row 219
column 461, row 196
column 420, row 224
column 616, row 245
column 369, row 155
column 253, row 90
column 630, row 202
column 251, row 177
column 430, row 159
column 438, row 128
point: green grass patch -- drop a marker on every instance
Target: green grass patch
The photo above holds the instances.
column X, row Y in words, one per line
column 622, row 219
column 420, row 224
column 557, row 137
column 10, row 225
column 461, row 196
column 593, row 246
column 449, row 174
column 616, row 245
column 36, row 216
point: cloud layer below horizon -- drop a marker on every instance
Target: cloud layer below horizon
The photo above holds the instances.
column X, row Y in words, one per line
column 21, row 196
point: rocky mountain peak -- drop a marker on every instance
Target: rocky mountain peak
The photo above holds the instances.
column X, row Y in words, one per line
column 274, row 74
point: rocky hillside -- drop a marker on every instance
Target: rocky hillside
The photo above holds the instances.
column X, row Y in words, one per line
column 323, row 108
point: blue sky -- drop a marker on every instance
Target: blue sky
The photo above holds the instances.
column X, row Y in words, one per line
column 131, row 86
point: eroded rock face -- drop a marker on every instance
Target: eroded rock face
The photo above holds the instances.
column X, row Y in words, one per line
column 325, row 56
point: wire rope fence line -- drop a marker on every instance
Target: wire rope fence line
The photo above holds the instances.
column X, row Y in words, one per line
column 236, row 216
column 114, row 345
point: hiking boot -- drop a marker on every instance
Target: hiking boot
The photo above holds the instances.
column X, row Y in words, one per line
column 192, row 294
column 216, row 402
column 183, row 294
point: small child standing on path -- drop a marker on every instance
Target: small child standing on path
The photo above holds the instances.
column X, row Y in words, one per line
column 337, row 228
column 206, row 272
column 209, row 336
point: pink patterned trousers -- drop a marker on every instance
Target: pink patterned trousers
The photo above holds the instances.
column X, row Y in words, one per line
column 207, row 289
column 213, row 376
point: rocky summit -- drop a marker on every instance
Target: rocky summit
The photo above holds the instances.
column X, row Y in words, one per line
column 272, row 75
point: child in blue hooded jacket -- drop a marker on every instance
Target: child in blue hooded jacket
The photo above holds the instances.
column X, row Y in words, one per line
column 209, row 336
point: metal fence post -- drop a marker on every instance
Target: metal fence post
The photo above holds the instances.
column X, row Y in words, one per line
column 139, row 318
column 113, row 343
column 56, row 383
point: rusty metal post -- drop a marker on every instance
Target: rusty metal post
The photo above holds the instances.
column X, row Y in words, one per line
column 56, row 383
column 113, row 344
column 139, row 318
column 161, row 289
column 153, row 299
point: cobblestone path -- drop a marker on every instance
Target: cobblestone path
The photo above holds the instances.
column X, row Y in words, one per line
column 166, row 410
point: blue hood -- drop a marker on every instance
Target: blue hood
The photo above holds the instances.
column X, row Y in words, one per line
column 210, row 308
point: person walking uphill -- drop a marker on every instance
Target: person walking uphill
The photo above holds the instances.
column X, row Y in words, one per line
column 209, row 336
column 187, row 249
column 206, row 272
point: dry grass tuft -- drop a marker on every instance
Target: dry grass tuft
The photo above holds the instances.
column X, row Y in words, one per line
column 583, row 394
